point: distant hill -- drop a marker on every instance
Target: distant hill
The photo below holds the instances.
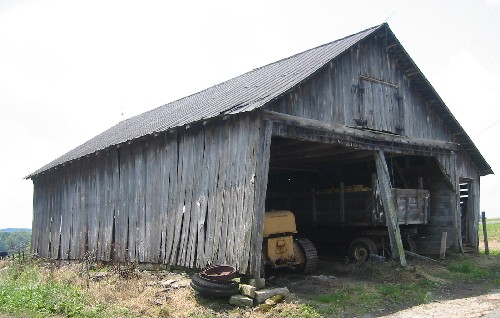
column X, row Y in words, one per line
column 12, row 230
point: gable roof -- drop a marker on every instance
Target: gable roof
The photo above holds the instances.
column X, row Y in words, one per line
column 253, row 90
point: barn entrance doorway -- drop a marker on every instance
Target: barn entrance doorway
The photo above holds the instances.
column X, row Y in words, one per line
column 331, row 189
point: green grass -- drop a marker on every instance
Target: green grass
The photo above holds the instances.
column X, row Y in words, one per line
column 493, row 230
column 360, row 300
column 301, row 311
column 24, row 292
column 485, row 273
column 407, row 293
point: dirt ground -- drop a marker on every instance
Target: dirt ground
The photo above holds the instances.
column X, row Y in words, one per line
column 485, row 305
column 479, row 306
column 452, row 297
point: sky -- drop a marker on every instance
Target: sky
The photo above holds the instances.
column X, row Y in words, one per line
column 71, row 69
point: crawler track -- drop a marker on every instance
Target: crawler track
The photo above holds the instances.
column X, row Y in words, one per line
column 310, row 253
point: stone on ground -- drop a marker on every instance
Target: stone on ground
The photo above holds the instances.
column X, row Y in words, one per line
column 263, row 294
column 241, row 301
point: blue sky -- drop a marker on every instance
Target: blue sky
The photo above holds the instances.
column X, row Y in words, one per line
column 69, row 70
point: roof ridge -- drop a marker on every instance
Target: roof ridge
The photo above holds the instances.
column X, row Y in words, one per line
column 259, row 68
column 319, row 46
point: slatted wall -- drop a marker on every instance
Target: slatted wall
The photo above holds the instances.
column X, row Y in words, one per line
column 365, row 86
column 456, row 167
column 186, row 197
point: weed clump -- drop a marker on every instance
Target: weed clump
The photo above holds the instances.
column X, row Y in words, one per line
column 468, row 268
column 23, row 290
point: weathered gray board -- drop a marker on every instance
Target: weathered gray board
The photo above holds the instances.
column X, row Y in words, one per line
column 391, row 215
column 187, row 197
column 358, row 208
column 367, row 88
column 456, row 167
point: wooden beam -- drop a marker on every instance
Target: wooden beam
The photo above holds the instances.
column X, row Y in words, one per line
column 391, row 216
column 423, row 258
column 324, row 156
column 345, row 130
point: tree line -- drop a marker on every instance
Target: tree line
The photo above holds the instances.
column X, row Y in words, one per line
column 14, row 241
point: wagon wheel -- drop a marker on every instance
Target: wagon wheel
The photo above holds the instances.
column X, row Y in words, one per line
column 409, row 245
column 360, row 249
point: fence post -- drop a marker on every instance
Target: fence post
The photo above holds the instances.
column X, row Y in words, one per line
column 485, row 234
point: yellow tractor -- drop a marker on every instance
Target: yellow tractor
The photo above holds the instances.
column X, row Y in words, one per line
column 281, row 249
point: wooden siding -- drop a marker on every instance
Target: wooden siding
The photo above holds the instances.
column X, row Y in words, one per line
column 442, row 218
column 365, row 84
column 366, row 88
column 187, row 197
column 457, row 167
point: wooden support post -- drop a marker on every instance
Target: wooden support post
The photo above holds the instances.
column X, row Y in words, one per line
column 391, row 217
column 442, row 251
column 260, row 195
column 375, row 214
column 485, row 234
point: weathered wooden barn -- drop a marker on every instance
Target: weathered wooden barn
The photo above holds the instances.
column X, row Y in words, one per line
column 186, row 183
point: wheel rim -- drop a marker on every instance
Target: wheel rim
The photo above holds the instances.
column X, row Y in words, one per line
column 361, row 253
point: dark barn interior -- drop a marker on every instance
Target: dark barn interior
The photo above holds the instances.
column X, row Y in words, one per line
column 330, row 189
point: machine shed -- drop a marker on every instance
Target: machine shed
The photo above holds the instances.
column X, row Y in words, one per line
column 188, row 183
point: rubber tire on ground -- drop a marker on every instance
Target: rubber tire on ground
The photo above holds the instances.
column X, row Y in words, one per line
column 213, row 289
column 360, row 249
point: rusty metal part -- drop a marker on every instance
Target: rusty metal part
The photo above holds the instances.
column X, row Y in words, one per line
column 219, row 273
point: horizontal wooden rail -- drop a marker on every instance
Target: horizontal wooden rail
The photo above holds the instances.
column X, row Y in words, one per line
column 359, row 133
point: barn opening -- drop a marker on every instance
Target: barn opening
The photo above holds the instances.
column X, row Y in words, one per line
column 466, row 208
column 331, row 189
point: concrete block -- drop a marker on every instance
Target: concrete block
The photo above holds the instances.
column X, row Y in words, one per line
column 241, row 301
column 247, row 290
column 263, row 294
column 259, row 283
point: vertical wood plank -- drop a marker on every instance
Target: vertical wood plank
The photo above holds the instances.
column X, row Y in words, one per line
column 179, row 203
column 260, row 193
column 173, row 164
column 210, row 249
column 203, row 194
column 192, row 240
column 152, row 225
column 37, row 211
column 249, row 192
column 121, row 220
column 165, row 167
column 391, row 217
column 223, row 193
column 241, row 167
column 55, row 231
